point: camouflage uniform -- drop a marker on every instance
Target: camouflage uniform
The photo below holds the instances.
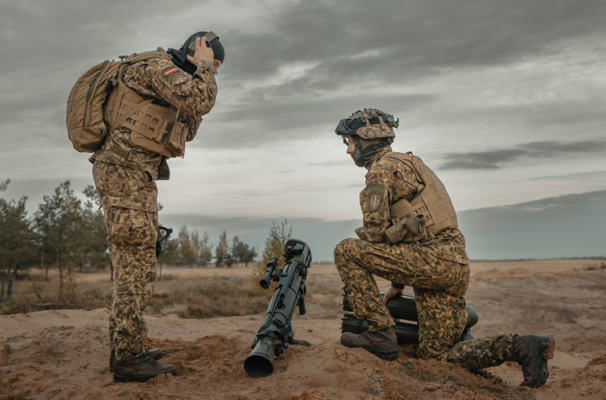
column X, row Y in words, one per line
column 437, row 270
column 124, row 176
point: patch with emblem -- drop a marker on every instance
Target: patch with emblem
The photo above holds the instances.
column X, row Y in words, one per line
column 374, row 201
column 170, row 70
column 376, row 198
column 179, row 79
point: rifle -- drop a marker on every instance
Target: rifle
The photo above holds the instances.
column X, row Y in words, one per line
column 276, row 333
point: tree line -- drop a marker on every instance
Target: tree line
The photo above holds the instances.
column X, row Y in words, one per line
column 68, row 233
column 188, row 249
column 65, row 233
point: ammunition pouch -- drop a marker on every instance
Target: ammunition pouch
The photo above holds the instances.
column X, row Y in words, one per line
column 400, row 211
column 405, row 227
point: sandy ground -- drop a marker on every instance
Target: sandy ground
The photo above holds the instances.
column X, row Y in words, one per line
column 63, row 354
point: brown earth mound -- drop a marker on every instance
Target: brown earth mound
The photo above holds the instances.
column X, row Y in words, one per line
column 63, row 354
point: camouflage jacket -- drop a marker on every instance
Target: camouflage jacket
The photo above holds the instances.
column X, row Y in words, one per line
column 387, row 181
column 196, row 97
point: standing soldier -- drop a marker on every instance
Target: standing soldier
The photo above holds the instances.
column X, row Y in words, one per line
column 410, row 237
column 156, row 105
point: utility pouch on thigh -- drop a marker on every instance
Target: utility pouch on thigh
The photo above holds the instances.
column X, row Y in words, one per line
column 132, row 222
column 121, row 289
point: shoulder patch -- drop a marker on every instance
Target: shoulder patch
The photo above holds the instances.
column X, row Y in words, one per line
column 374, row 201
column 376, row 198
column 170, row 70
column 179, row 79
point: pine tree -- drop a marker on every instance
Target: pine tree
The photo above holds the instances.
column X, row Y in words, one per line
column 96, row 255
column 187, row 247
column 242, row 253
column 222, row 250
column 237, row 250
column 60, row 225
column 16, row 239
column 205, row 254
column 249, row 255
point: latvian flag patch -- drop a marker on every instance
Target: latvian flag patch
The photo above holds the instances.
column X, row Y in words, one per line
column 170, row 70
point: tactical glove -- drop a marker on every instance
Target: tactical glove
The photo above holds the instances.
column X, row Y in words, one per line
column 410, row 225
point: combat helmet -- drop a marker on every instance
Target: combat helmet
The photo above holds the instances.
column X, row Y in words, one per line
column 370, row 129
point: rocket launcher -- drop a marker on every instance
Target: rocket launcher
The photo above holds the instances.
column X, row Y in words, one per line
column 276, row 333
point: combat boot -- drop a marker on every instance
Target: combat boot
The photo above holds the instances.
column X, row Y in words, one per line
column 156, row 354
column 532, row 353
column 140, row 369
column 383, row 343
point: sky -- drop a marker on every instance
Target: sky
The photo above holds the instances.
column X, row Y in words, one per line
column 504, row 100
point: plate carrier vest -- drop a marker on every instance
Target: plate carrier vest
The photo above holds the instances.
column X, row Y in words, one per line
column 433, row 201
column 153, row 127
column 100, row 102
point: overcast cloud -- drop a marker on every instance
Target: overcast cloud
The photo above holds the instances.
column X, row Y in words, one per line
column 496, row 158
column 504, row 99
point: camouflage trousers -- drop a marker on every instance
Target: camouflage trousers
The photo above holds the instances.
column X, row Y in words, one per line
column 439, row 286
column 129, row 199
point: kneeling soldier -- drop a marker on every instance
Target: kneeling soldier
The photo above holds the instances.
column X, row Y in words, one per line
column 410, row 237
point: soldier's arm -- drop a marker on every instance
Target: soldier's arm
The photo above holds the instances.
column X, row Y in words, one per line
column 194, row 95
column 375, row 201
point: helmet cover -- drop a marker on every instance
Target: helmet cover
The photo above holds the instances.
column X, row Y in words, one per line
column 369, row 124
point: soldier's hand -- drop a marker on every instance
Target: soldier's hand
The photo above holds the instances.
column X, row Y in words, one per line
column 396, row 232
column 415, row 224
column 202, row 52
column 390, row 293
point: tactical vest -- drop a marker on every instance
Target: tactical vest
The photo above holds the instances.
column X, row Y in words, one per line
column 155, row 128
column 433, row 201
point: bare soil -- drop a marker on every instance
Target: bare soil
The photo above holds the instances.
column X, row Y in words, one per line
column 63, row 354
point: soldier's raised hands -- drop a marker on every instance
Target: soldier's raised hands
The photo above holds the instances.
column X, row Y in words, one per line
column 203, row 52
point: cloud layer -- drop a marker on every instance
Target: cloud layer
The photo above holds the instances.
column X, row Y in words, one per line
column 497, row 158
column 504, row 100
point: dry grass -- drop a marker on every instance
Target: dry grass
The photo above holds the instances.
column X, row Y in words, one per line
column 596, row 267
column 37, row 294
column 208, row 297
column 226, row 297
column 204, row 297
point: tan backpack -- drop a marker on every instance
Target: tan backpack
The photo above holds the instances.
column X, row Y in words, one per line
column 85, row 118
